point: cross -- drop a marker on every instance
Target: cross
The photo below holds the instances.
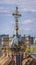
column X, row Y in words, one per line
column 17, row 13
column 16, row 16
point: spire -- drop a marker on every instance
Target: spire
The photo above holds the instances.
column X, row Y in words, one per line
column 17, row 15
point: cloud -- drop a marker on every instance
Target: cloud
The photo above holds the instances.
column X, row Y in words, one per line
column 8, row 1
column 21, row 3
column 8, row 11
column 5, row 11
column 27, row 21
column 17, row 1
column 26, row 29
column 28, row 10
column 27, row 6
column 24, row 6
column 28, row 25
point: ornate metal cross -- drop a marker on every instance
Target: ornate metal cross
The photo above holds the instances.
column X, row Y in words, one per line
column 16, row 16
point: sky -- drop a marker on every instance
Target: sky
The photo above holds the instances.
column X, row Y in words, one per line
column 27, row 22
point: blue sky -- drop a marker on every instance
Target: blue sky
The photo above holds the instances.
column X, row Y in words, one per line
column 27, row 22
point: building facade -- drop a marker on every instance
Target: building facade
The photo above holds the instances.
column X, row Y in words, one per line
column 4, row 43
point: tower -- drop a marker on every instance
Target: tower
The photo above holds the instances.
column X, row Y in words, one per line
column 18, row 56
